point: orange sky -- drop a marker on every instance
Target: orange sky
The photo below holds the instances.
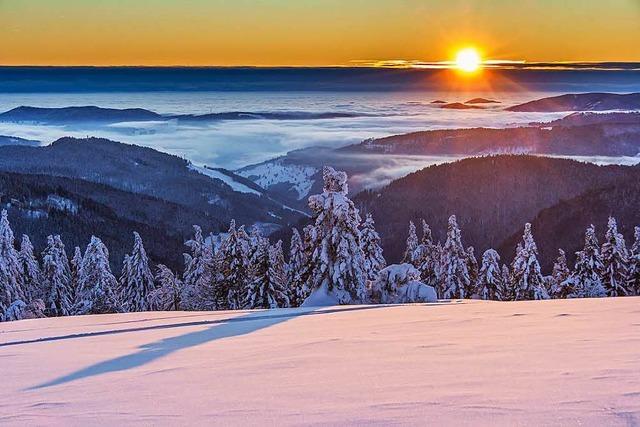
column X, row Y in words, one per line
column 312, row 32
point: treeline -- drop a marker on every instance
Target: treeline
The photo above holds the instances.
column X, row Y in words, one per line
column 337, row 259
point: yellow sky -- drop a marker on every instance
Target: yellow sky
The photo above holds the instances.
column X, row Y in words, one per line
column 312, row 32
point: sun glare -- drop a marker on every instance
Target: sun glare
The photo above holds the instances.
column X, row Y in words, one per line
column 468, row 60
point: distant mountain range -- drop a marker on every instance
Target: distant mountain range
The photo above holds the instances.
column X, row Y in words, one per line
column 296, row 175
column 14, row 140
column 494, row 196
column 211, row 197
column 607, row 134
column 582, row 102
column 99, row 115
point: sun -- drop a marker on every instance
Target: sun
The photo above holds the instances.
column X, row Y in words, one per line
column 468, row 60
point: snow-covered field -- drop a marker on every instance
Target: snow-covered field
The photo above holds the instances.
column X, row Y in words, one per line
column 558, row 362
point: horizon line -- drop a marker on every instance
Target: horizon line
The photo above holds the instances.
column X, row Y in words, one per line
column 489, row 64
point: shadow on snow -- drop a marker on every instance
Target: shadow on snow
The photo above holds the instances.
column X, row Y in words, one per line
column 219, row 329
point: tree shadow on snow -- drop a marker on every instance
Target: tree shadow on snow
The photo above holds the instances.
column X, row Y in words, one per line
column 220, row 329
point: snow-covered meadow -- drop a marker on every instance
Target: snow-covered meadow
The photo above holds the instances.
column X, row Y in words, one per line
column 555, row 362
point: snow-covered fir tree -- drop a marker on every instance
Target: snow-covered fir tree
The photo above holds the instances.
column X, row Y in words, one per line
column 57, row 280
column 490, row 283
column 428, row 257
column 297, row 268
column 167, row 295
column 267, row 288
column 526, row 277
column 75, row 264
column 370, row 241
column 97, row 287
column 10, row 272
column 586, row 279
column 506, row 293
column 32, row 280
column 235, row 268
column 137, row 281
column 201, row 282
column 472, row 267
column 336, row 264
column 633, row 276
column 454, row 271
column 615, row 261
column 410, row 252
column 559, row 286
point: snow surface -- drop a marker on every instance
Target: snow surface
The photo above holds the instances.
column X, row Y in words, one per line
column 557, row 362
column 235, row 185
column 277, row 172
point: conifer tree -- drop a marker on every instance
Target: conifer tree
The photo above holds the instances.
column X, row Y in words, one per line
column 454, row 280
column 138, row 281
column 32, row 280
column 410, row 252
column 297, row 267
column 586, row 279
column 560, row 288
column 75, row 264
column 97, row 287
column 373, row 259
column 168, row 293
column 490, row 276
column 336, row 263
column 472, row 267
column 526, row 276
column 428, row 257
column 633, row 279
column 235, row 268
column 201, row 282
column 615, row 262
column 59, row 296
column 267, row 287
column 506, row 292
column 10, row 272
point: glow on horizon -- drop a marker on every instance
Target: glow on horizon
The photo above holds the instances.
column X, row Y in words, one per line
column 314, row 32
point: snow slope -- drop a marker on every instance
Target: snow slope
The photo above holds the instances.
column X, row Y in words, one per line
column 235, row 185
column 277, row 171
column 559, row 362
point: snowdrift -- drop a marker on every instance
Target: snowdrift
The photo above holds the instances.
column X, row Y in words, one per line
column 558, row 362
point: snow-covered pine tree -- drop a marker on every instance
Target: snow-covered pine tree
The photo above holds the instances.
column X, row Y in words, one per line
column 633, row 279
column 490, row 277
column 428, row 257
column 32, row 280
column 410, row 252
column 201, row 282
column 10, row 276
column 97, row 287
column 615, row 261
column 235, row 268
column 267, row 288
column 336, row 263
column 506, row 292
column 166, row 296
column 454, row 271
column 472, row 267
column 560, row 288
column 370, row 240
column 138, row 281
column 586, row 279
column 75, row 264
column 57, row 280
column 526, row 277
column 297, row 268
